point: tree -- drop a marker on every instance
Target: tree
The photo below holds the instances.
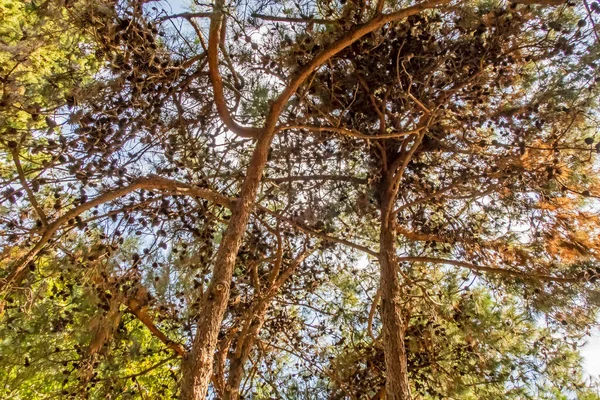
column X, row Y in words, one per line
column 448, row 141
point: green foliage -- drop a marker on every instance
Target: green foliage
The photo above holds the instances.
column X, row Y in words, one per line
column 43, row 59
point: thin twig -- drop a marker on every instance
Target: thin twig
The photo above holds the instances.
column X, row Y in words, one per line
column 291, row 19
column 499, row 271
column 350, row 132
column 30, row 195
column 186, row 15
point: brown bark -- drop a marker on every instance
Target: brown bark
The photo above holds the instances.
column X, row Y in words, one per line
column 379, row 395
column 217, row 27
column 218, row 379
column 197, row 365
column 397, row 385
column 151, row 182
column 372, row 310
column 390, row 287
column 254, row 322
column 245, row 344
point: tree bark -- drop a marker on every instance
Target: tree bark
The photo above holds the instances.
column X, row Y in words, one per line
column 254, row 323
column 197, row 366
column 397, row 385
column 238, row 360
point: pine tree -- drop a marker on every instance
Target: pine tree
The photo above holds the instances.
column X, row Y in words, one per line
column 189, row 200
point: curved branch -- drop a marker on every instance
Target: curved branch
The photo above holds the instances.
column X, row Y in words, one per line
column 274, row 18
column 499, row 271
column 149, row 183
column 308, row 178
column 351, row 132
column 154, row 183
column 352, row 36
column 186, row 15
column 23, row 180
column 540, row 2
column 214, row 41
column 372, row 310
column 138, row 310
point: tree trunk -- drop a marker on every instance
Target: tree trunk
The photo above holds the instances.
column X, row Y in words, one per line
column 238, row 360
column 397, row 385
column 197, row 366
column 255, row 321
column 234, row 379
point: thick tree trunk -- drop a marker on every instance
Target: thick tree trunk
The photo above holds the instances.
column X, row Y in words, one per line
column 397, row 385
column 197, row 366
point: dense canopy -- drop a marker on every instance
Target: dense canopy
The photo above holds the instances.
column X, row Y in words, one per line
column 328, row 199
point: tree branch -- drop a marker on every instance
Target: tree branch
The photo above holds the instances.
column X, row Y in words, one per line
column 150, row 183
column 499, row 271
column 372, row 311
column 292, row 19
column 153, row 183
column 216, row 80
column 308, row 178
column 351, row 132
column 540, row 2
column 334, row 48
column 186, row 15
column 30, row 195
column 139, row 311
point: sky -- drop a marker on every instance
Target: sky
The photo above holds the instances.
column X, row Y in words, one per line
column 590, row 352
